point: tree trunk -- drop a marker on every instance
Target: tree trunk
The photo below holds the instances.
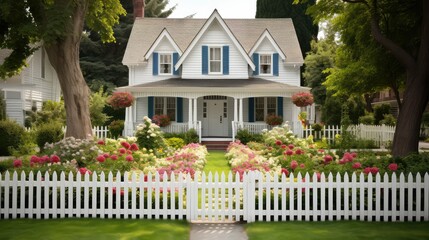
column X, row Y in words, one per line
column 64, row 57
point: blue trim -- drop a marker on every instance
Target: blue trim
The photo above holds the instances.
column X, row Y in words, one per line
column 280, row 106
column 155, row 64
column 205, row 60
column 275, row 64
column 179, row 109
column 251, row 109
column 256, row 62
column 150, row 107
column 225, row 60
column 175, row 58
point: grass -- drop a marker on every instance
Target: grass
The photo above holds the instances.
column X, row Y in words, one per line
column 216, row 162
column 338, row 230
column 93, row 229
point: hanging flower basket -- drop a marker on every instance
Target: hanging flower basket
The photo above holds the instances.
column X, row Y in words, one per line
column 302, row 99
column 120, row 100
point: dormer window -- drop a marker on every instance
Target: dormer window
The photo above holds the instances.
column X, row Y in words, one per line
column 215, row 60
column 265, row 64
column 165, row 63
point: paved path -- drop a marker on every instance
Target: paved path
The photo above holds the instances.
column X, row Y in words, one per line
column 217, row 231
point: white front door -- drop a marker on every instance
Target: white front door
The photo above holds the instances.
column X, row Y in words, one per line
column 216, row 118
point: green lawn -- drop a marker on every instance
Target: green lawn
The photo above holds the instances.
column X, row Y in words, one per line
column 216, row 162
column 93, row 229
column 337, row 230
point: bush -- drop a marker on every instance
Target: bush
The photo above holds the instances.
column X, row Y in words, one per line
column 149, row 136
column 10, row 132
column 115, row 128
column 379, row 112
column 317, row 127
column 175, row 143
column 191, row 136
column 367, row 119
column 389, row 120
column 161, row 120
column 274, row 120
column 245, row 136
column 414, row 163
column 49, row 133
column 28, row 145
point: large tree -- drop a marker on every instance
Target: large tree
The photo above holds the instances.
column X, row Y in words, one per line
column 58, row 25
column 306, row 30
column 412, row 54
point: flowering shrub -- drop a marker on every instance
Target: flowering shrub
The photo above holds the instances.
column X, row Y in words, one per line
column 302, row 99
column 161, row 120
column 274, row 120
column 120, row 100
column 149, row 136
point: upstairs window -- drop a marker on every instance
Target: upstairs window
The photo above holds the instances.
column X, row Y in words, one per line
column 165, row 64
column 265, row 64
column 215, row 60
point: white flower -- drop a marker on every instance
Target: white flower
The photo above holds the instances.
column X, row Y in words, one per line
column 153, row 135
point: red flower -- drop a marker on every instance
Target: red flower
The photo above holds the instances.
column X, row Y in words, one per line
column 393, row 167
column 122, row 150
column 114, row 157
column 283, row 146
column 55, row 159
column 374, row 170
column 101, row 142
column 291, row 146
column 328, row 159
column 293, row 164
column 84, row 171
column 129, row 158
column 44, row 159
column 134, row 147
column 17, row 163
column 342, row 161
column 288, row 152
column 354, row 154
column 367, row 170
column 106, row 155
column 34, row 159
column 348, row 157
column 302, row 99
column 278, row 142
column 299, row 151
column 356, row 165
column 120, row 100
column 285, row 171
column 101, row 158
column 126, row 145
column 302, row 165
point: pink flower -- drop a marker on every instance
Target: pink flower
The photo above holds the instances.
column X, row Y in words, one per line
column 354, row 154
column 34, row 159
column 342, row 161
column 374, row 170
column 122, row 150
column 302, row 165
column 55, row 159
column 288, row 152
column 299, row 152
column 318, row 175
column 114, row 157
column 348, row 157
column 327, row 159
column 285, row 172
column 134, row 147
column 129, row 158
column 126, row 145
column 101, row 142
column 283, row 146
column 101, row 158
column 278, row 142
column 393, row 167
column 291, row 146
column 367, row 170
column 293, row 164
column 356, row 165
column 17, row 163
column 44, row 159
column 84, row 171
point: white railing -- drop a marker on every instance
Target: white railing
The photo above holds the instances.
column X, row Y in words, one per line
column 253, row 197
column 175, row 128
column 98, row 131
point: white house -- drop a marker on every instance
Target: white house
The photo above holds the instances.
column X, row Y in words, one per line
column 214, row 75
column 38, row 82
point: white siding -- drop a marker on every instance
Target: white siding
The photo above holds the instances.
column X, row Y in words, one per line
column 141, row 109
column 14, row 106
column 215, row 35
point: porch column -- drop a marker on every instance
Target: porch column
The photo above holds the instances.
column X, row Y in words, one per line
column 241, row 112
column 235, row 109
column 195, row 111
column 129, row 126
column 190, row 113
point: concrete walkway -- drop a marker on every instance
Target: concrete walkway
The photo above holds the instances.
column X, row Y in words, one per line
column 217, row 231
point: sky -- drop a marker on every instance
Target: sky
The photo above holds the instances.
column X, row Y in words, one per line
column 203, row 8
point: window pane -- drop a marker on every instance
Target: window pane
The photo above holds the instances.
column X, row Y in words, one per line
column 214, row 66
column 215, row 53
column 265, row 64
column 159, row 105
column 171, row 108
column 259, row 109
column 165, row 63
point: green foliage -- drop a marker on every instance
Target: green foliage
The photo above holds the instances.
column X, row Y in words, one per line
column 51, row 112
column 2, row 106
column 149, row 136
column 115, row 128
column 191, row 136
column 379, row 112
column 367, row 119
column 49, row 133
column 331, row 110
column 245, row 136
column 388, row 119
column 28, row 145
column 10, row 132
column 414, row 163
column 97, row 103
column 317, row 127
column 175, row 142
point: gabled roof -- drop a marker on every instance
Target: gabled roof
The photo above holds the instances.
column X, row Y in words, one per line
column 215, row 16
column 247, row 32
column 164, row 34
column 267, row 35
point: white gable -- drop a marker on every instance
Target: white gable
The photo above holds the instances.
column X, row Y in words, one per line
column 164, row 42
column 266, row 43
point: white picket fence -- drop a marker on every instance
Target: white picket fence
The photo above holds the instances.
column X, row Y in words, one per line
column 98, row 131
column 254, row 197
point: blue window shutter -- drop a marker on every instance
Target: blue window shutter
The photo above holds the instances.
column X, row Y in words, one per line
column 175, row 58
column 155, row 63
column 225, row 60
column 280, row 106
column 179, row 109
column 256, row 62
column 205, row 60
column 150, row 106
column 251, row 109
column 275, row 64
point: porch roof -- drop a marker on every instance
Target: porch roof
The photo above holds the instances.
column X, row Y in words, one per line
column 229, row 87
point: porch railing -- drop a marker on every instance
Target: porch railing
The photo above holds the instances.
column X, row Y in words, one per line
column 176, row 128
